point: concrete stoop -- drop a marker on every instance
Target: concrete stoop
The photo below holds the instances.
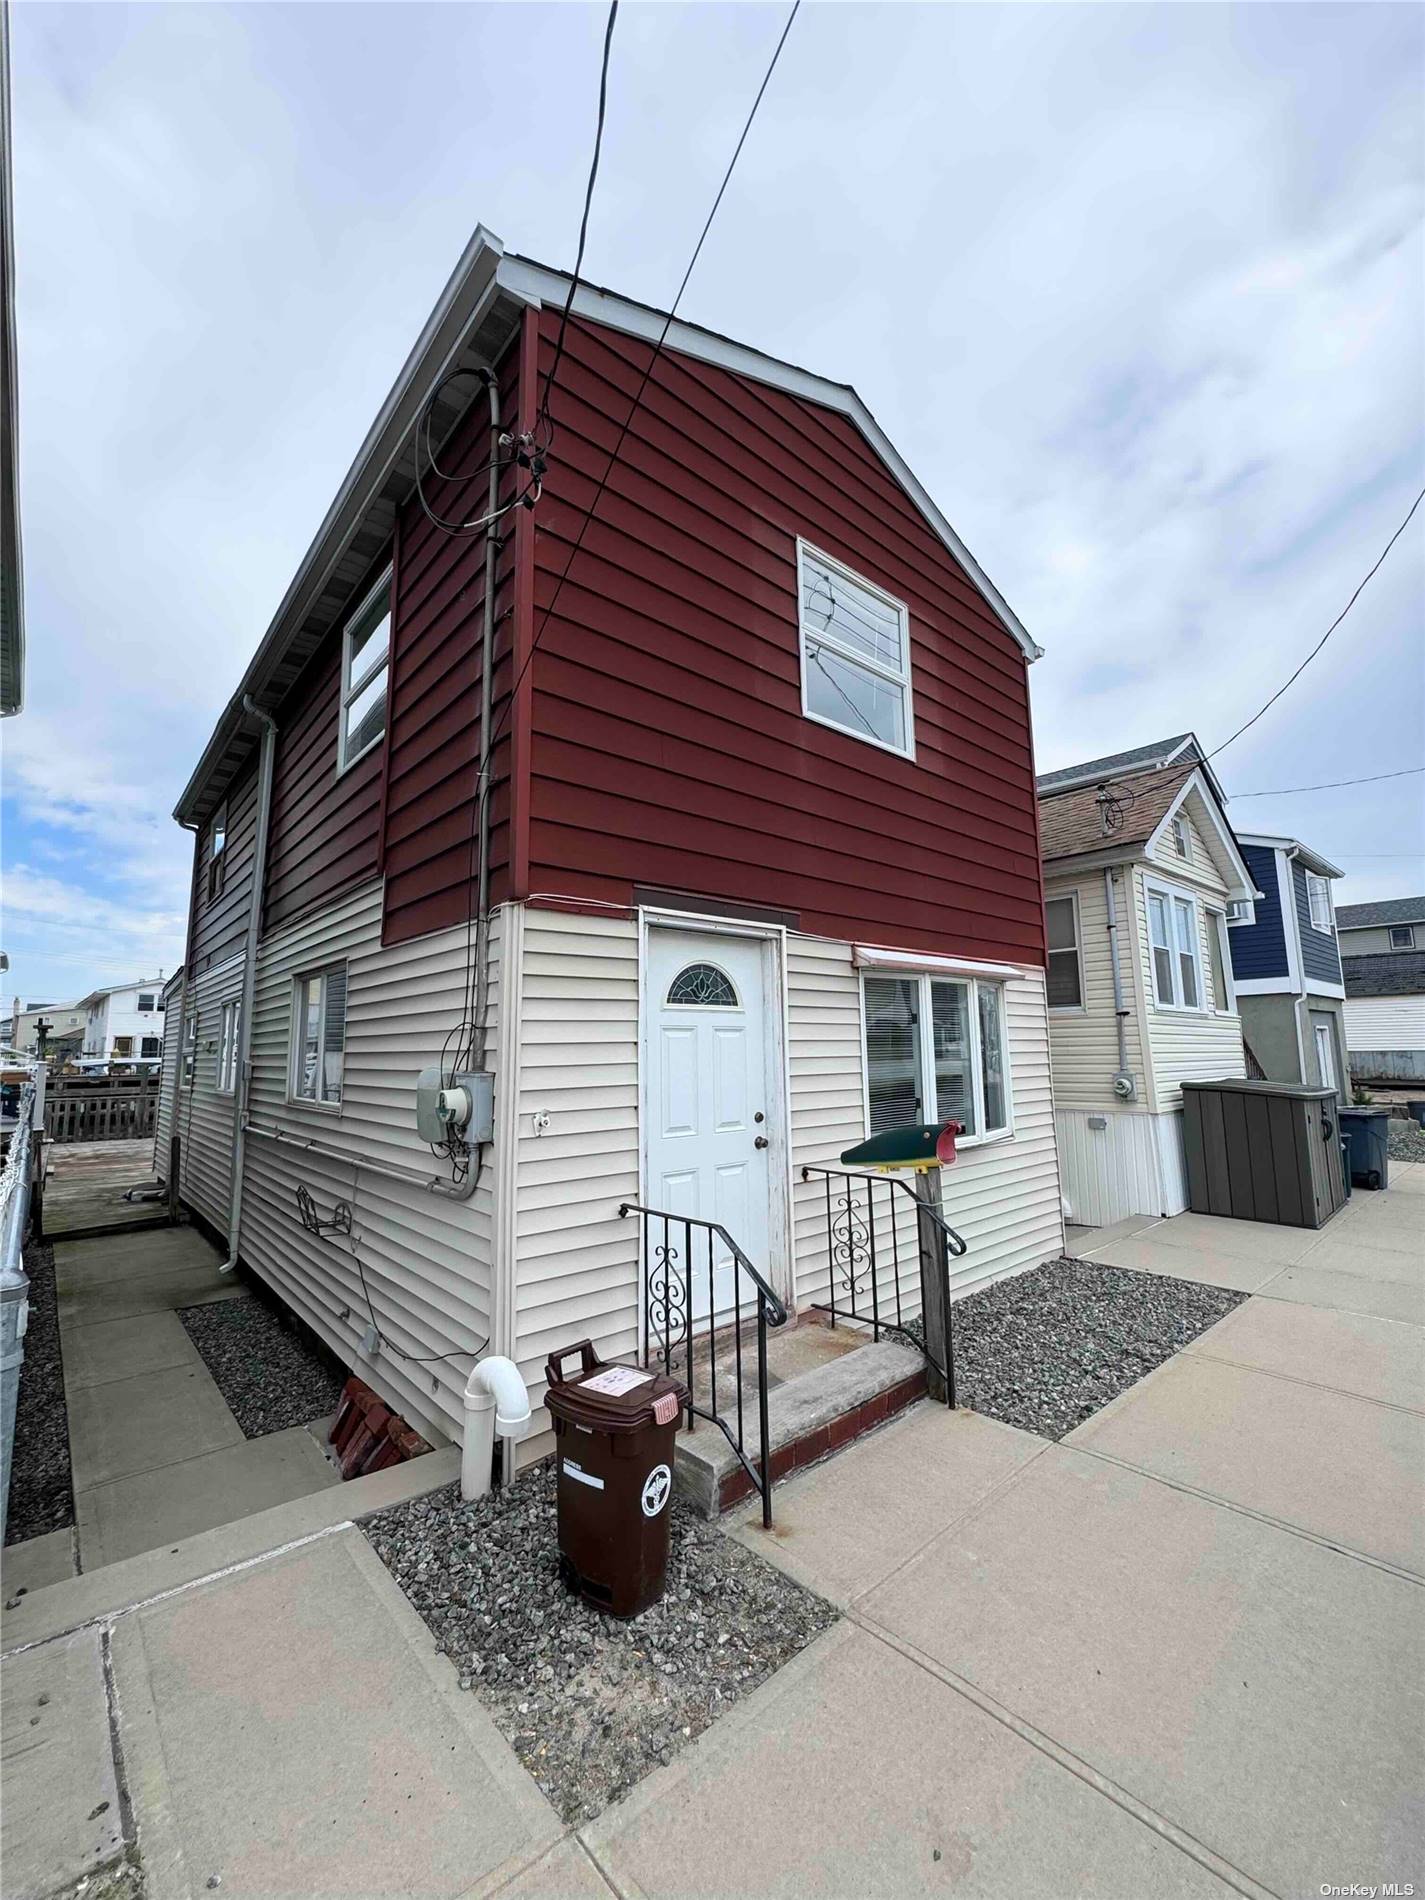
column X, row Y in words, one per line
column 808, row 1417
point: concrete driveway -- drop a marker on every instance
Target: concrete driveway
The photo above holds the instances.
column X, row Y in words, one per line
column 1178, row 1654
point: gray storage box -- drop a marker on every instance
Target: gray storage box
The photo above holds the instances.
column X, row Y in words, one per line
column 1263, row 1151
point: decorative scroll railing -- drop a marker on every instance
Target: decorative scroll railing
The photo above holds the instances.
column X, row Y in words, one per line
column 864, row 1257
column 676, row 1269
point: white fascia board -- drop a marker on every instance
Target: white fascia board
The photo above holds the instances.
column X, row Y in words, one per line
column 1313, row 860
column 866, row 956
column 1315, row 987
column 536, row 284
column 1264, row 986
column 1212, row 811
column 1291, row 923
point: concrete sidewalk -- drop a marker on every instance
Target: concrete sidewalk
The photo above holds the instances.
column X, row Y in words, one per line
column 1179, row 1653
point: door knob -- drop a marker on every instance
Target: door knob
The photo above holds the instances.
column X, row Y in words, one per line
column 760, row 1142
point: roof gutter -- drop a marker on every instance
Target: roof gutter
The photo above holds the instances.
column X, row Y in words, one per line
column 471, row 288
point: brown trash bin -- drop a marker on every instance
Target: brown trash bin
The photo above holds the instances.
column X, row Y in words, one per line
column 614, row 1428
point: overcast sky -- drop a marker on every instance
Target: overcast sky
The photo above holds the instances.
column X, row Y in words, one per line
column 1137, row 291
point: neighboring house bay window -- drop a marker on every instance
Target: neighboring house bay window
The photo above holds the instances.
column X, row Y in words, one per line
column 318, row 1035
column 365, row 662
column 1066, row 976
column 1176, row 946
column 936, row 1051
column 855, row 644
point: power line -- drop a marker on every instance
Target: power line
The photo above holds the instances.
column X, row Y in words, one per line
column 1328, row 633
column 546, row 421
column 643, row 384
column 1330, row 784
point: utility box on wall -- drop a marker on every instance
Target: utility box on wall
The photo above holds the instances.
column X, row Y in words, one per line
column 455, row 1105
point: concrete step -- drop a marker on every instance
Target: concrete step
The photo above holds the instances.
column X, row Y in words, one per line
column 809, row 1415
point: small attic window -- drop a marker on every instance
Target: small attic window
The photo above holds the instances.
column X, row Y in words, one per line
column 1182, row 843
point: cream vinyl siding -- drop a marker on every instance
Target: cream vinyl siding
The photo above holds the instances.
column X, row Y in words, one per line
column 1084, row 1043
column 1380, row 1023
column 1374, row 939
column 205, row 1117
column 1185, row 1045
column 426, row 1260
column 1198, row 866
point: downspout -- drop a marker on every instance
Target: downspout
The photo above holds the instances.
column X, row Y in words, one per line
column 1119, row 1012
column 249, row 973
column 482, row 780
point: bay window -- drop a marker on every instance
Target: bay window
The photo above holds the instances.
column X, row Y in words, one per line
column 936, row 1050
column 1175, row 943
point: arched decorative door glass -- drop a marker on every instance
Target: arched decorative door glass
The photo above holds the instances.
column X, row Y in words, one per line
column 703, row 985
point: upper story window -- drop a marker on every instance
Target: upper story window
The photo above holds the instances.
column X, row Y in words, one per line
column 1182, row 842
column 1066, row 974
column 217, row 851
column 1175, row 943
column 146, row 1000
column 855, row 645
column 365, row 662
column 936, row 1050
column 1318, row 900
column 318, row 1036
column 1402, row 936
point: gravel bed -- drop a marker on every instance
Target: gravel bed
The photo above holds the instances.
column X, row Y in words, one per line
column 1405, row 1141
column 271, row 1375
column 590, row 1704
column 41, row 1494
column 1049, row 1348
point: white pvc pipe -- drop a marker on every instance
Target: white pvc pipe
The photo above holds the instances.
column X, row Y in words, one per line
column 496, row 1400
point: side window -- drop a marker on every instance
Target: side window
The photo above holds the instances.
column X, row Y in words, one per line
column 365, row 662
column 855, row 646
column 1219, row 961
column 936, row 1048
column 190, row 1045
column 151, row 1046
column 1066, row 976
column 228, row 1048
column 318, row 1036
column 1402, row 936
column 146, row 1000
column 1182, row 843
column 1318, row 898
column 217, row 851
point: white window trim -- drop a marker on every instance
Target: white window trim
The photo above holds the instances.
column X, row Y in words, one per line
column 350, row 688
column 1081, row 1007
column 927, row 1051
column 1314, row 883
column 188, row 1049
column 295, row 1039
column 901, row 679
column 1409, row 930
column 228, row 1038
column 1217, row 922
column 1171, row 893
column 1182, row 837
column 218, row 832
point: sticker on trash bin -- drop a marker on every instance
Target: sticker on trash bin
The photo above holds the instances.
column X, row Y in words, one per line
column 615, row 1380
column 656, row 1487
column 571, row 1470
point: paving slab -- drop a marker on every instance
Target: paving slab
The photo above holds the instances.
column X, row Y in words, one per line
column 62, row 1815
column 153, row 1419
column 1214, row 1234
column 106, row 1255
column 859, row 1772
column 37, row 1563
column 1146, row 1255
column 1263, row 1693
column 1381, row 1359
column 122, row 1348
column 1262, row 1442
column 1385, row 1254
column 1349, row 1292
column 845, row 1525
column 291, row 1730
column 1079, row 1242
column 162, row 1507
column 163, row 1292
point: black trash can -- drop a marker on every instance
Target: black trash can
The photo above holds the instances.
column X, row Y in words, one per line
column 614, row 1427
column 1367, row 1132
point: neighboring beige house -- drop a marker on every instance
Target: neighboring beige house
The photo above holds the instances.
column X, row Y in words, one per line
column 66, row 1020
column 1140, row 867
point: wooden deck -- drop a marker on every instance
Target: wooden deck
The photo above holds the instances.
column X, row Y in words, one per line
column 85, row 1185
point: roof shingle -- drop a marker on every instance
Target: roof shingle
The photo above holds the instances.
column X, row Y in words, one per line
column 1071, row 823
column 1390, row 910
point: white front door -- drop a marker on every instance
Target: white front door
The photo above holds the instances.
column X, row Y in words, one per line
column 708, row 1106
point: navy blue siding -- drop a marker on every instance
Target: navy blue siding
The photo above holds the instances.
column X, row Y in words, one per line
column 1319, row 956
column 1259, row 950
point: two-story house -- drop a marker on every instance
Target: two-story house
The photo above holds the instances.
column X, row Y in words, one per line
column 124, row 1021
column 705, row 826
column 66, row 1024
column 1287, row 965
column 1141, row 872
column 1383, row 966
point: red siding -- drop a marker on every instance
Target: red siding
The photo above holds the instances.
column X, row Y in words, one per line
column 668, row 743
column 433, row 736
column 326, row 828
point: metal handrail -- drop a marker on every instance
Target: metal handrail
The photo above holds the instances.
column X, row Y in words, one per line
column 856, row 1253
column 671, row 1312
column 15, row 1183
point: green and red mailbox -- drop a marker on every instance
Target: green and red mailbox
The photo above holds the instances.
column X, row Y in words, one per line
column 919, row 1145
